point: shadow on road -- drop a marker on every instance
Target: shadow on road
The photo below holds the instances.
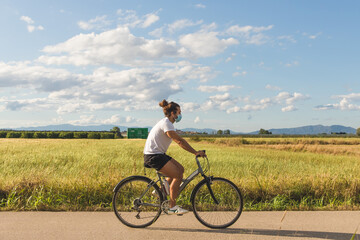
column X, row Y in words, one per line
column 267, row 232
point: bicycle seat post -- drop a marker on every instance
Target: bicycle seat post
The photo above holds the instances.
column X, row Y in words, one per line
column 163, row 182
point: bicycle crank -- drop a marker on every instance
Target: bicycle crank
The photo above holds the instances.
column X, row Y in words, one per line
column 165, row 206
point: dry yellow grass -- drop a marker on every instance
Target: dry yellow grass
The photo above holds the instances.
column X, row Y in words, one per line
column 79, row 174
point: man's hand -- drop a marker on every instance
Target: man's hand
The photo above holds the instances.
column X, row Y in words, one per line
column 200, row 154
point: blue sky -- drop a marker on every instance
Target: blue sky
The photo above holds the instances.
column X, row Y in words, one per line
column 239, row 65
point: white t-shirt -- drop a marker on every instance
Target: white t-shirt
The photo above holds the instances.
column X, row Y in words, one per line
column 158, row 142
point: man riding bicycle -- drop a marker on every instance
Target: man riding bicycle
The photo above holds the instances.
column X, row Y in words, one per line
column 157, row 143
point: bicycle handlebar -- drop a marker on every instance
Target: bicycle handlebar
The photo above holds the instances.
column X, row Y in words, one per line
column 200, row 151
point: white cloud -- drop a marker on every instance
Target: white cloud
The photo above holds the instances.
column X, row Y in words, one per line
column 236, row 74
column 250, row 34
column 157, row 32
column 84, row 120
column 231, row 57
column 312, row 36
column 150, row 19
column 97, row 23
column 200, row 5
column 181, row 24
column 280, row 99
column 129, row 18
column 351, row 96
column 296, row 97
column 288, row 38
column 220, row 97
column 26, row 75
column 288, row 98
column 289, row 108
column 70, row 107
column 115, row 119
column 271, row 87
column 130, row 119
column 189, row 106
column 205, row 44
column 221, row 88
column 209, row 27
column 258, row 39
column 25, row 104
column 197, row 119
column 292, row 64
column 92, row 120
column 345, row 103
column 248, row 108
column 104, row 88
column 27, row 19
column 220, row 101
column 30, row 24
column 117, row 46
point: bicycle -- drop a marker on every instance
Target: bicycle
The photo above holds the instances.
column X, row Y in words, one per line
column 216, row 202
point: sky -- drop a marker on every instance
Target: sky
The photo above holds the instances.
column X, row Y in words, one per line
column 239, row 65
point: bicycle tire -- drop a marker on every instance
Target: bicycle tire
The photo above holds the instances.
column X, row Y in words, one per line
column 129, row 208
column 228, row 209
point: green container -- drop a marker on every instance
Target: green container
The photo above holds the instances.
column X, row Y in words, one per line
column 137, row 133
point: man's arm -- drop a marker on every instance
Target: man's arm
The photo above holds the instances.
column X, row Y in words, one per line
column 183, row 143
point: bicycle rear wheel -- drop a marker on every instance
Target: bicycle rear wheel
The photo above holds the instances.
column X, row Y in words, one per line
column 217, row 215
column 136, row 202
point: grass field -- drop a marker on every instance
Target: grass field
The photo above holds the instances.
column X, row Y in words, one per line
column 272, row 173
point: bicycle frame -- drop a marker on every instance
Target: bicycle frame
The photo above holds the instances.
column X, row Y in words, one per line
column 186, row 181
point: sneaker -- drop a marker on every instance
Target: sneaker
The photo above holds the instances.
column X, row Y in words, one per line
column 177, row 210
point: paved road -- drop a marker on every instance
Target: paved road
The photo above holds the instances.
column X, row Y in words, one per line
column 251, row 225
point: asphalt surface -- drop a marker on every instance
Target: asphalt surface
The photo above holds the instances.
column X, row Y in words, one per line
column 251, row 225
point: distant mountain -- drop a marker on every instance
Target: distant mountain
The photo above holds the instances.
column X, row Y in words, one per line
column 207, row 130
column 312, row 129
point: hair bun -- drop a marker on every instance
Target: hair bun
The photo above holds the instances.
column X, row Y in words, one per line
column 163, row 103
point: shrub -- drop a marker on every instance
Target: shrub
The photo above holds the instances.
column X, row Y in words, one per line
column 67, row 135
column 116, row 131
column 40, row 135
column 358, row 131
column 94, row 135
column 53, row 134
column 80, row 135
column 107, row 135
column 118, row 135
column 13, row 134
column 3, row 134
column 27, row 135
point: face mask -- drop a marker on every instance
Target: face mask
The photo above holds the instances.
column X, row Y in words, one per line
column 178, row 119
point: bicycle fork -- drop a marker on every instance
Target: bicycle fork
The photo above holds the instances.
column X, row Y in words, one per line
column 208, row 184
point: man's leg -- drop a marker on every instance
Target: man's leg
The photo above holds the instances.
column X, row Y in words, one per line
column 172, row 170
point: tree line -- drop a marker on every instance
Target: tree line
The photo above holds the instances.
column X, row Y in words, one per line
column 112, row 134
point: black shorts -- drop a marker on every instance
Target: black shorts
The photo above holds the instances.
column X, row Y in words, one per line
column 156, row 161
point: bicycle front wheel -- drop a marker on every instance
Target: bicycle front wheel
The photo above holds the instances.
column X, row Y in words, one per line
column 137, row 201
column 220, row 209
